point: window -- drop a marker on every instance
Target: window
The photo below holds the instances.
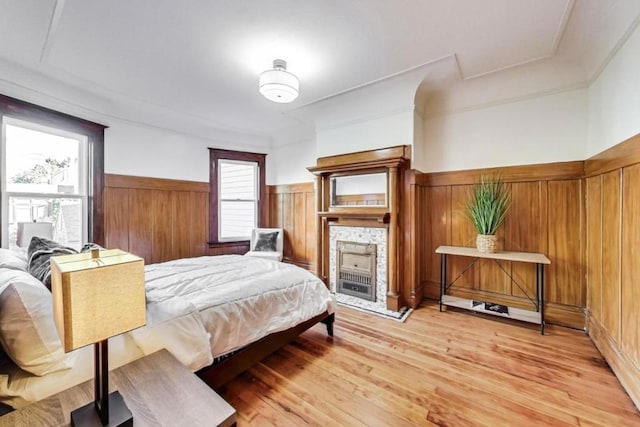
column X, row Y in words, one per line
column 45, row 181
column 51, row 175
column 238, row 204
column 236, row 195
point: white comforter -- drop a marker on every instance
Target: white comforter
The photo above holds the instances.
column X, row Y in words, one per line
column 200, row 308
column 197, row 308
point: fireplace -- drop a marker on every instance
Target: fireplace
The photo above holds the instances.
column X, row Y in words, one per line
column 356, row 269
column 371, row 279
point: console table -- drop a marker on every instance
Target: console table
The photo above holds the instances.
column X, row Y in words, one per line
column 539, row 260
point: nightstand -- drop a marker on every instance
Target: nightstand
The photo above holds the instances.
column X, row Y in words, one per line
column 158, row 390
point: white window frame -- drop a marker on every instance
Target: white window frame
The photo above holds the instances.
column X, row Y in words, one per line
column 83, row 171
column 255, row 200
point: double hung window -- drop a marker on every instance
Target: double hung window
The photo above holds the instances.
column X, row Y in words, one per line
column 51, row 176
column 44, row 181
column 238, row 206
column 236, row 195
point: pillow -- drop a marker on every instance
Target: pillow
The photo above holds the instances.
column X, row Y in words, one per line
column 27, row 330
column 9, row 259
column 39, row 252
column 266, row 242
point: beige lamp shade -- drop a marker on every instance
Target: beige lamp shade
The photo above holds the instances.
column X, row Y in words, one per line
column 97, row 298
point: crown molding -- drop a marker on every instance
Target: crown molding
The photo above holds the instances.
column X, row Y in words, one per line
column 607, row 60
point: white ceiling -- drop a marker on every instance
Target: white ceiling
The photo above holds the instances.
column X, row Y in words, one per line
column 197, row 61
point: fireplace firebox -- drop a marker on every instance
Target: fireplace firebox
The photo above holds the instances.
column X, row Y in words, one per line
column 356, row 268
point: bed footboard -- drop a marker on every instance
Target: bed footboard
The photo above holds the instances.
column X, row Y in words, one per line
column 220, row 373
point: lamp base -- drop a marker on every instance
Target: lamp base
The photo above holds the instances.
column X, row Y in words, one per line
column 119, row 414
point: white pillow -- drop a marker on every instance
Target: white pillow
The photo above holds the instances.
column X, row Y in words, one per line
column 11, row 260
column 27, row 330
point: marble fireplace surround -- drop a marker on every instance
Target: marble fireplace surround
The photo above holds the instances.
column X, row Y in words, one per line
column 368, row 235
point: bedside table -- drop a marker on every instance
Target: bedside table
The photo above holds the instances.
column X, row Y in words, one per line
column 158, row 390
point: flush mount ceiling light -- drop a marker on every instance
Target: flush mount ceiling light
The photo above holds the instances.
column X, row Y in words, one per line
column 279, row 85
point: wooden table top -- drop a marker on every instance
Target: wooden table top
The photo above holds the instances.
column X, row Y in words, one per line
column 502, row 255
column 158, row 390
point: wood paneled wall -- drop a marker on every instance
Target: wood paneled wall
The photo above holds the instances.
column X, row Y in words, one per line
column 159, row 219
column 414, row 226
column 165, row 219
column 292, row 207
column 613, row 275
column 546, row 216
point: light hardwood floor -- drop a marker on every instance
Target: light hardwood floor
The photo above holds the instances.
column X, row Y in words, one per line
column 452, row 368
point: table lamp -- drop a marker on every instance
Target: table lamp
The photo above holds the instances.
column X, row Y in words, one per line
column 96, row 296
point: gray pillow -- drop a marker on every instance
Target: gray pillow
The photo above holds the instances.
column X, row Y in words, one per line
column 266, row 242
column 39, row 252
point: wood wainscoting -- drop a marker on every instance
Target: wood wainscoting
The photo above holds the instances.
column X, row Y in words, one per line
column 292, row 208
column 164, row 219
column 159, row 219
column 613, row 276
column 546, row 216
column 415, row 226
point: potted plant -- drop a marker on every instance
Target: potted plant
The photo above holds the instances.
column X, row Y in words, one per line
column 488, row 203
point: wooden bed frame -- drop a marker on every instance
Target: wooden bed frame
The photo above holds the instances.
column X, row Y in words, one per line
column 220, row 373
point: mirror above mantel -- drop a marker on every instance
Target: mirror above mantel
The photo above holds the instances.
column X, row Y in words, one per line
column 362, row 190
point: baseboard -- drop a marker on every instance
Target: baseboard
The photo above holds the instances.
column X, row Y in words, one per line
column 627, row 372
column 557, row 314
column 416, row 298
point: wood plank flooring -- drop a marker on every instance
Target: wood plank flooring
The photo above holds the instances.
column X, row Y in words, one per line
column 449, row 369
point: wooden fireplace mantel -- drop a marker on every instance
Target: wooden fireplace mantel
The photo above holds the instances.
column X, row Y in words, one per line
column 393, row 161
column 379, row 217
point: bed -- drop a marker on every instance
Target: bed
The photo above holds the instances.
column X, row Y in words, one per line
column 217, row 315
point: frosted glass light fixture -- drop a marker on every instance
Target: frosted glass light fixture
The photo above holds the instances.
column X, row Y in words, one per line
column 279, row 85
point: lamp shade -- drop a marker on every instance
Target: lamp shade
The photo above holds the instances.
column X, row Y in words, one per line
column 279, row 85
column 95, row 298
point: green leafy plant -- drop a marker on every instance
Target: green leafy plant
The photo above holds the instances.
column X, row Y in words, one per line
column 488, row 203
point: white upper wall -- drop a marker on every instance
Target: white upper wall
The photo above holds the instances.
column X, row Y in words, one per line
column 385, row 131
column 287, row 164
column 142, row 151
column 139, row 150
column 565, row 126
column 614, row 99
column 544, row 129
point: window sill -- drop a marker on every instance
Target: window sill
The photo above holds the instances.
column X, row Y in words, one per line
column 227, row 244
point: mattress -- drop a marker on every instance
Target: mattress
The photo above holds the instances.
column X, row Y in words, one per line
column 239, row 299
column 19, row 388
column 198, row 309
